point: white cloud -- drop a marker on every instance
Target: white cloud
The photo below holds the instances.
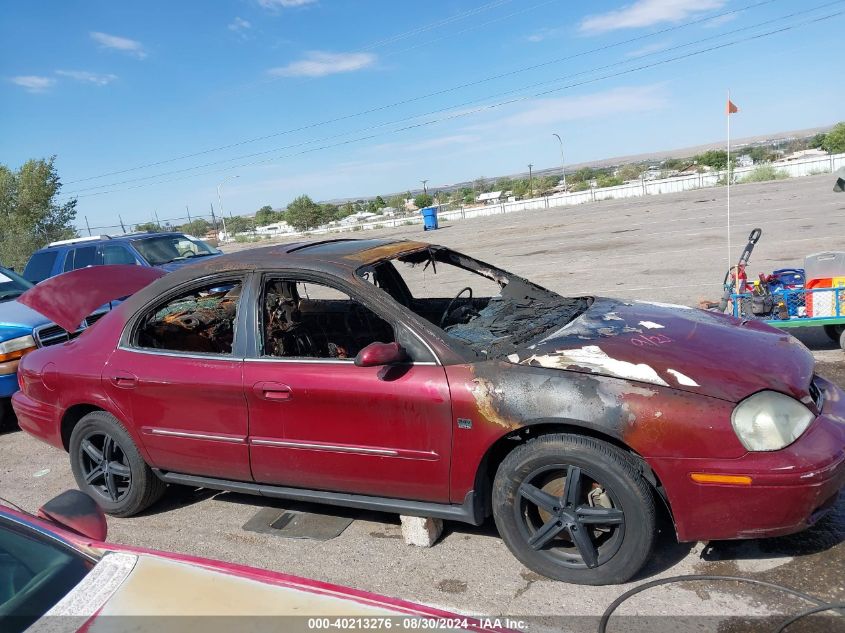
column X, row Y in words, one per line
column 321, row 63
column 644, row 13
column 33, row 83
column 544, row 34
column 99, row 79
column 284, row 4
column 122, row 44
column 623, row 100
column 239, row 25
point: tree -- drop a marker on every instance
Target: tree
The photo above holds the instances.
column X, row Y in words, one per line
column 423, row 200
column 629, row 172
column 239, row 224
column 585, row 174
column 197, row 228
column 265, row 215
column 303, row 214
column 715, row 158
column 147, row 227
column 834, row 141
column 30, row 214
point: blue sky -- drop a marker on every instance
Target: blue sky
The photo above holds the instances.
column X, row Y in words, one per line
column 110, row 87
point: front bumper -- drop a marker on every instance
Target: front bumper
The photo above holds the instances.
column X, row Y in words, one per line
column 790, row 490
column 39, row 419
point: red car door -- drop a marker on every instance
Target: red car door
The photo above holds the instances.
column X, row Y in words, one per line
column 317, row 421
column 181, row 382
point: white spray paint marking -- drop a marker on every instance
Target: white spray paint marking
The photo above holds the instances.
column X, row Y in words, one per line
column 514, row 358
column 665, row 305
column 683, row 379
column 593, row 358
column 651, row 325
column 612, row 316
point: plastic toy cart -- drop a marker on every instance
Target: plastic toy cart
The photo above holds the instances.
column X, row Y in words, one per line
column 810, row 306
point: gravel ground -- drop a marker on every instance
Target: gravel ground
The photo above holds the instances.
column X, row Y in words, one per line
column 664, row 248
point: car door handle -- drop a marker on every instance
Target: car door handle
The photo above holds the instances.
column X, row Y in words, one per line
column 124, row 380
column 275, row 391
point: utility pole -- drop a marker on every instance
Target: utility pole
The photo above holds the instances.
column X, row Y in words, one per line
column 122, row 225
column 87, row 226
column 562, row 163
column 158, row 224
column 425, row 191
column 530, row 181
column 213, row 218
column 189, row 213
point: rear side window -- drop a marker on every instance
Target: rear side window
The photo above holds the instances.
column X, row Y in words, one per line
column 115, row 254
column 39, row 266
column 202, row 320
column 81, row 257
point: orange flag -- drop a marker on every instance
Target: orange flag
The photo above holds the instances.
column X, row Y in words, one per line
column 731, row 108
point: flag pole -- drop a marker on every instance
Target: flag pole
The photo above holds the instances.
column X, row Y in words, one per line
column 730, row 253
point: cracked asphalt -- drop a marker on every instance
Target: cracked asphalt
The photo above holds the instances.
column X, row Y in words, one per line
column 664, row 248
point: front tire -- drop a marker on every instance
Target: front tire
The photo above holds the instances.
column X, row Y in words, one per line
column 574, row 508
column 108, row 467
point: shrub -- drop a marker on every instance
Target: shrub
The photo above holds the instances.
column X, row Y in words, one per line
column 764, row 173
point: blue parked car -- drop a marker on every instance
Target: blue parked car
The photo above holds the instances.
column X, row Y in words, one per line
column 168, row 251
column 17, row 326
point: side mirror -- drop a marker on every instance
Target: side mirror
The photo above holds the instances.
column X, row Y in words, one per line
column 77, row 512
column 377, row 354
column 839, row 187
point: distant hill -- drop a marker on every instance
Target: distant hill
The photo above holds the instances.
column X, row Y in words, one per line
column 683, row 152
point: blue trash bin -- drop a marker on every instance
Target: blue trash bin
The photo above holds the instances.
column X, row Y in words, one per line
column 429, row 218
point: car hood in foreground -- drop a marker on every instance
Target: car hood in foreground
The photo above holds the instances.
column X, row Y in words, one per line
column 126, row 583
column 675, row 346
column 68, row 298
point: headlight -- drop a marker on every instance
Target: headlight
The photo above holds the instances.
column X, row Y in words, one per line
column 16, row 347
column 769, row 421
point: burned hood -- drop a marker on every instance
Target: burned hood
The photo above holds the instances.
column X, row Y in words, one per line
column 68, row 298
column 675, row 346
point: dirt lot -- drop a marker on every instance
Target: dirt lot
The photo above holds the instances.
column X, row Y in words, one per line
column 667, row 248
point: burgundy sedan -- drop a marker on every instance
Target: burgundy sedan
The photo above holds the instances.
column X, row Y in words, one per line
column 409, row 378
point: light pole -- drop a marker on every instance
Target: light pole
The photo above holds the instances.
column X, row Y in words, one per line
column 530, row 181
column 220, row 200
column 562, row 163
column 425, row 191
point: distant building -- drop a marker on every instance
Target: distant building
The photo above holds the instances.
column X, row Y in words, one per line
column 744, row 160
column 491, row 198
column 357, row 218
column 804, row 153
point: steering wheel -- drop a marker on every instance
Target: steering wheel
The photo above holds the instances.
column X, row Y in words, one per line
column 452, row 302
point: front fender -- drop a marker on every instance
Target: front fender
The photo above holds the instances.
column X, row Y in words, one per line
column 494, row 398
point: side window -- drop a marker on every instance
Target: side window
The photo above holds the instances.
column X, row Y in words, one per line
column 40, row 266
column 116, row 254
column 81, row 258
column 202, row 320
column 310, row 320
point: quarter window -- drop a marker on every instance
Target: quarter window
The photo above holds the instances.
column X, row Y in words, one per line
column 310, row 320
column 202, row 320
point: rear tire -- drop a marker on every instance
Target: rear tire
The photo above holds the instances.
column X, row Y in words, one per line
column 108, row 467
column 598, row 531
column 8, row 420
column 834, row 332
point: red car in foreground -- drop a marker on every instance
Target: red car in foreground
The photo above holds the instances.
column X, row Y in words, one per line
column 58, row 574
column 407, row 377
